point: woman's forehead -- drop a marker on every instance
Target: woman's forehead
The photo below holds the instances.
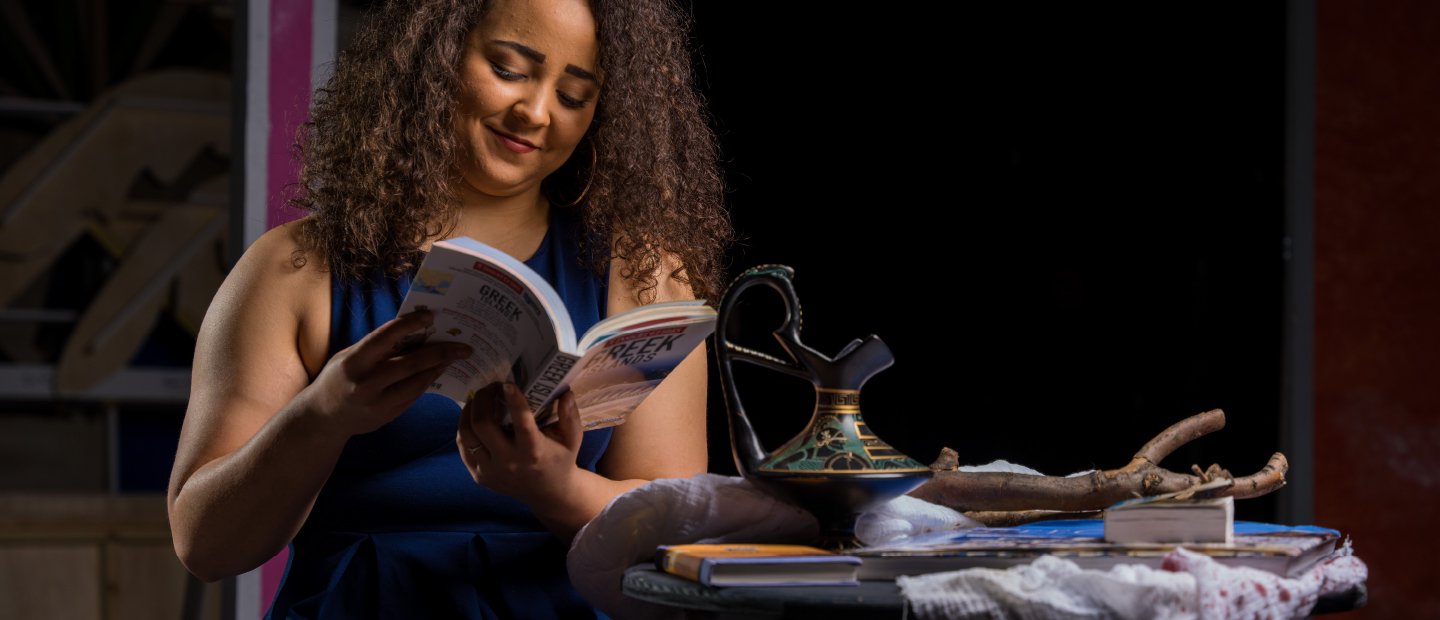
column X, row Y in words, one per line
column 559, row 31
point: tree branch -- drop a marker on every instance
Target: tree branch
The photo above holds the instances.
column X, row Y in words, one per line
column 994, row 497
column 1181, row 433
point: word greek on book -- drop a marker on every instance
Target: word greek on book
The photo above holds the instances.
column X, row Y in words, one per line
column 520, row 332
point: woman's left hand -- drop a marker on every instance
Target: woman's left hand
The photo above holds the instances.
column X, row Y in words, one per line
column 531, row 464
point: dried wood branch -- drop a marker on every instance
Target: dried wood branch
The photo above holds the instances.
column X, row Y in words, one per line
column 1006, row 498
column 1007, row 518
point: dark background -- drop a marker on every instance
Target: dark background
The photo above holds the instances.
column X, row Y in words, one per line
column 1067, row 223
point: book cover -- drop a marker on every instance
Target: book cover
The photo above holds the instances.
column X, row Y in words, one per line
column 757, row 565
column 1283, row 550
column 520, row 332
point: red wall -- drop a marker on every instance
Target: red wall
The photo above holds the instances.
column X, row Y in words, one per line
column 1377, row 298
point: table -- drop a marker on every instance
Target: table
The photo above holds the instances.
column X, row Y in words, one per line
column 870, row 599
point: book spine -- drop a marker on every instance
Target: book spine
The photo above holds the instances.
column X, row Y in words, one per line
column 552, row 375
column 687, row 566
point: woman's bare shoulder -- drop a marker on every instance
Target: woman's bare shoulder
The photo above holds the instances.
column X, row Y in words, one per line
column 269, row 277
column 279, row 253
column 279, row 283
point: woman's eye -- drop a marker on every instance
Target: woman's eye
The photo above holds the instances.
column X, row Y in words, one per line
column 571, row 102
column 506, row 74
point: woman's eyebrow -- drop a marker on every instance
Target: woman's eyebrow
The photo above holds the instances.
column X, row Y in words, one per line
column 525, row 50
column 581, row 73
column 539, row 58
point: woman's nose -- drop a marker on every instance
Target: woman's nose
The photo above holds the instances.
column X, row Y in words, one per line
column 533, row 109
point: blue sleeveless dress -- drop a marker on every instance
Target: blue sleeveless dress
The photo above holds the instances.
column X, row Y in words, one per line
column 400, row 529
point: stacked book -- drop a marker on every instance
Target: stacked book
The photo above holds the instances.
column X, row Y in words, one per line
column 1165, row 519
column 1283, row 550
column 758, row 565
column 1138, row 531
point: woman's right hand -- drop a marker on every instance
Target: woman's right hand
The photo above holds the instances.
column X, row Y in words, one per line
column 370, row 383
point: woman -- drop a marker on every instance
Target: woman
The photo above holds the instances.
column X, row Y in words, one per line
column 566, row 133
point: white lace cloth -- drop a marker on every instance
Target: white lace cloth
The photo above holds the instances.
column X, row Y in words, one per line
column 711, row 508
column 1189, row 586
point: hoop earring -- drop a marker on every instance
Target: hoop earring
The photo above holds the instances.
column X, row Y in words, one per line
column 589, row 178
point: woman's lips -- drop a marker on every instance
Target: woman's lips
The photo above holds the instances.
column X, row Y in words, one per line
column 512, row 143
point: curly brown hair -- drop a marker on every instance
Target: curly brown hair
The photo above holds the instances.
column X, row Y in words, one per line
column 379, row 153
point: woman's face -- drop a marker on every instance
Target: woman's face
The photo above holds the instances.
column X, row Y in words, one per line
column 529, row 84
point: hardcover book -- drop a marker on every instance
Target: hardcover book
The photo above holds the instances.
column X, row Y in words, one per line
column 521, row 332
column 758, row 565
column 1283, row 550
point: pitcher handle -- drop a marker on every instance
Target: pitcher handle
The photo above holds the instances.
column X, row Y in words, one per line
column 747, row 449
column 779, row 278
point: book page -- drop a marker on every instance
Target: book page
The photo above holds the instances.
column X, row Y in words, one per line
column 616, row 375
column 1172, row 520
column 479, row 304
column 641, row 315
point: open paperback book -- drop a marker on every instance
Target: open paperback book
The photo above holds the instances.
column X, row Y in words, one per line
column 1284, row 550
column 521, row 332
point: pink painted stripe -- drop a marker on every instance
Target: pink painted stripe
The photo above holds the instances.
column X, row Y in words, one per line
column 290, row 49
column 271, row 573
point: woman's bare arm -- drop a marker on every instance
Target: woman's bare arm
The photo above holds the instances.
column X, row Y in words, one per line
column 237, row 494
column 665, row 436
column 259, row 438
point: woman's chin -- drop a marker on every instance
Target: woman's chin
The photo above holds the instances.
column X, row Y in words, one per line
column 500, row 186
